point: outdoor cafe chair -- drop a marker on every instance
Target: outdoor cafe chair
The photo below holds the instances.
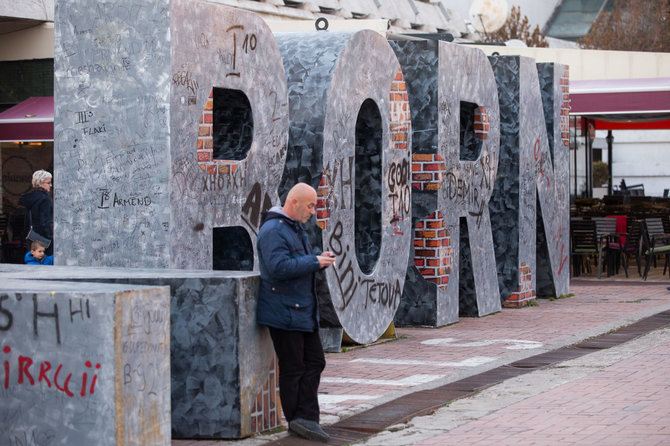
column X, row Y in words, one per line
column 631, row 244
column 609, row 243
column 584, row 244
column 654, row 242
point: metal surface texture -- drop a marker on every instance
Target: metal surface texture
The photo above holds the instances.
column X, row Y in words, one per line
column 443, row 80
column 465, row 75
column 111, row 133
column 533, row 163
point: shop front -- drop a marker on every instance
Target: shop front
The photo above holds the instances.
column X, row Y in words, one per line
column 26, row 145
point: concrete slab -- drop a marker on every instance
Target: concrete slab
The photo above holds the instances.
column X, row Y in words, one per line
column 84, row 363
column 220, row 357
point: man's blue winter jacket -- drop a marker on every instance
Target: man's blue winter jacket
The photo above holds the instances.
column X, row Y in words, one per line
column 287, row 297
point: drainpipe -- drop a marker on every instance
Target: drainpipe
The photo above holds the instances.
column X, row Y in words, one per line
column 610, row 140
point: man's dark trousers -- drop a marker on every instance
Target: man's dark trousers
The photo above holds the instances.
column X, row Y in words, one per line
column 301, row 362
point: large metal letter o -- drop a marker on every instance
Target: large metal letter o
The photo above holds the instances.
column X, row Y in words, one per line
column 367, row 68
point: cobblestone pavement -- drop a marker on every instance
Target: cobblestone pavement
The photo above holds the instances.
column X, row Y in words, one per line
column 616, row 396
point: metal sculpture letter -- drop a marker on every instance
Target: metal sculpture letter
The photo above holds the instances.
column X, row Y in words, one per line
column 112, row 134
column 530, row 130
column 447, row 84
column 353, row 74
column 229, row 126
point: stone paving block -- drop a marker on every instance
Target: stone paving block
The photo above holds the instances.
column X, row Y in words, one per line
column 220, row 358
column 84, row 363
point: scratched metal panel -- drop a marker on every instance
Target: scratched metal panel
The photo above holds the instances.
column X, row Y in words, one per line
column 459, row 74
column 531, row 132
column 330, row 75
column 111, row 133
column 466, row 75
column 512, row 203
column 553, row 266
column 551, row 183
column 88, row 364
column 216, row 47
column 220, row 357
column 423, row 302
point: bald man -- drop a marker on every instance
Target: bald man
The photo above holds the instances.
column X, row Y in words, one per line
column 288, row 306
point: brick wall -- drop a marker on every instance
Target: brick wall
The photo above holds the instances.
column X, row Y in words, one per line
column 266, row 413
column 482, row 125
column 433, row 255
column 525, row 293
column 400, row 114
column 427, row 171
column 322, row 203
column 205, row 146
column 565, row 109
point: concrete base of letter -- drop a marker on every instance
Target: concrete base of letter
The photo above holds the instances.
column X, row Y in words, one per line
column 220, row 358
column 331, row 338
column 84, row 363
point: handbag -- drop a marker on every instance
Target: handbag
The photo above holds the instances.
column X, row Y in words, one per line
column 35, row 236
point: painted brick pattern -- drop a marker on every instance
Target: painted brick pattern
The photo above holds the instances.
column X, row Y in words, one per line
column 322, row 203
column 266, row 413
column 432, row 249
column 482, row 125
column 400, row 125
column 205, row 147
column 565, row 108
column 427, row 171
column 400, row 114
column 525, row 293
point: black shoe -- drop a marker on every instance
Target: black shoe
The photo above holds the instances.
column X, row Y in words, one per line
column 308, row 429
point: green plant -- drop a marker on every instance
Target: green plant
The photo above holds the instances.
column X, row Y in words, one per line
column 561, row 296
column 601, row 174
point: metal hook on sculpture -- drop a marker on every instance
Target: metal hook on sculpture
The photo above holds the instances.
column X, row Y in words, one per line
column 321, row 24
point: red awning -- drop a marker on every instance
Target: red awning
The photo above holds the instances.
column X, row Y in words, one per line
column 30, row 120
column 623, row 103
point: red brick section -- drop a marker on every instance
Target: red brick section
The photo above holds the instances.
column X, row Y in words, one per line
column 400, row 115
column 432, row 241
column 205, row 145
column 427, row 171
column 322, row 202
column 565, row 108
column 266, row 413
column 432, row 249
column 525, row 294
column 482, row 125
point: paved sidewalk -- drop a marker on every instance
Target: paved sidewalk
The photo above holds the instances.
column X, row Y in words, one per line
column 424, row 358
column 618, row 396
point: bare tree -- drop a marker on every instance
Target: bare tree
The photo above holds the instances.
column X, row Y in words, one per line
column 632, row 25
column 517, row 27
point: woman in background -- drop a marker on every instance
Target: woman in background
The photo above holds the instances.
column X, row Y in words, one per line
column 39, row 207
